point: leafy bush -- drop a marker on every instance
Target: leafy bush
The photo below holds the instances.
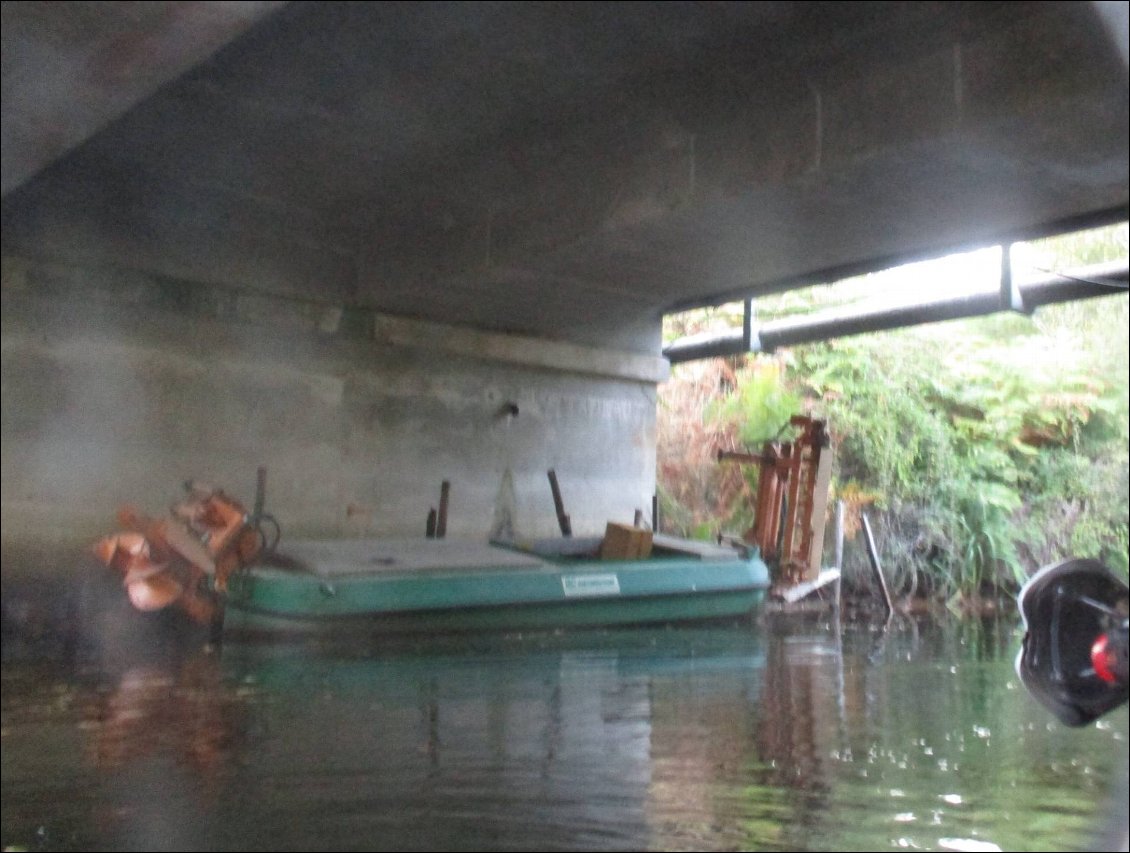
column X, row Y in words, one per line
column 987, row 447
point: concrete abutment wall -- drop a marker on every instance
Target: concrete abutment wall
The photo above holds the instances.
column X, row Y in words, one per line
column 119, row 384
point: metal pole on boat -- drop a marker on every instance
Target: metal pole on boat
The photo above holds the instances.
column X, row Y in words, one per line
column 559, row 505
column 441, row 519
column 260, row 492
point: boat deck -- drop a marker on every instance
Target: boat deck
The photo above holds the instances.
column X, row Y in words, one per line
column 346, row 557
column 451, row 584
column 342, row 558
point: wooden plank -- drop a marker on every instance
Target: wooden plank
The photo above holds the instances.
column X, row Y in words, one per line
column 876, row 566
column 819, row 516
column 795, row 593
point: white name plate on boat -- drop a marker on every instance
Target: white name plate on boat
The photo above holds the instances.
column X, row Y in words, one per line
column 578, row 585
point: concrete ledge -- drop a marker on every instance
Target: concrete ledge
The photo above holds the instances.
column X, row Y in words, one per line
column 103, row 289
column 518, row 349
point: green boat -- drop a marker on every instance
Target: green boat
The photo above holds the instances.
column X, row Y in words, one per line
column 438, row 585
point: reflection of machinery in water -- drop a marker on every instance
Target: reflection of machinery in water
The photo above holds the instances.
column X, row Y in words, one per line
column 159, row 741
column 184, row 712
column 798, row 728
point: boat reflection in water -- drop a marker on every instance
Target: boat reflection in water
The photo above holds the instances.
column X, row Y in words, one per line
column 738, row 735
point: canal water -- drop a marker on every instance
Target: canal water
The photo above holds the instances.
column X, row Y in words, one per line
column 770, row 735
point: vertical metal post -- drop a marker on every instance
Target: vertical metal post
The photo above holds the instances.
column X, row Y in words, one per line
column 747, row 326
column 1011, row 297
column 839, row 560
column 873, row 555
column 441, row 520
column 260, row 492
column 839, row 552
column 559, row 505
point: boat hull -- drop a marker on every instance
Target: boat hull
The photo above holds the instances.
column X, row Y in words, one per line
column 444, row 586
column 508, row 618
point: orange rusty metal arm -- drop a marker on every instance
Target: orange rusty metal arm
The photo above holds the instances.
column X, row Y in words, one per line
column 775, row 505
column 164, row 561
column 786, row 503
column 738, row 456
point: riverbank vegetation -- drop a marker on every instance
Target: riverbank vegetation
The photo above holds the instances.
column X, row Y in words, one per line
column 981, row 449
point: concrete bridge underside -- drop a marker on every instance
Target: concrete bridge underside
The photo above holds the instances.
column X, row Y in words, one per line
column 339, row 239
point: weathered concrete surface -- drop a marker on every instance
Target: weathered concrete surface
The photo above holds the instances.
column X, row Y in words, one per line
column 118, row 386
column 192, row 288
column 67, row 74
column 571, row 171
